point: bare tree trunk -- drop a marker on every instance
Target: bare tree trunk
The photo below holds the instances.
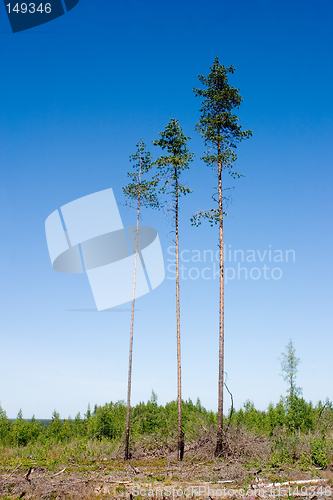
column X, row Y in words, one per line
column 219, row 441
column 180, row 432
column 128, row 415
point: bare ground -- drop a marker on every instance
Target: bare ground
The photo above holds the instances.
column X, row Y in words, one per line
column 154, row 472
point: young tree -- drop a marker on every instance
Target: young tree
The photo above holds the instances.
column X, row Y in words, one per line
column 221, row 133
column 143, row 192
column 289, row 363
column 170, row 168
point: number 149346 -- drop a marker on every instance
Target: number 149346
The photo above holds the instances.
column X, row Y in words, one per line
column 30, row 8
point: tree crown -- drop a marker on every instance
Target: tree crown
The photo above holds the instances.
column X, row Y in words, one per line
column 218, row 126
column 170, row 166
column 220, row 130
column 139, row 188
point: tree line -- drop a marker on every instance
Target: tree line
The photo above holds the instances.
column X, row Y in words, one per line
column 284, row 423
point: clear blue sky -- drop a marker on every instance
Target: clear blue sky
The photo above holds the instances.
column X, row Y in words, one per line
column 76, row 96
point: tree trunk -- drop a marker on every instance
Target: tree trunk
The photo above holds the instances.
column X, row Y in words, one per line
column 180, row 432
column 128, row 415
column 219, row 441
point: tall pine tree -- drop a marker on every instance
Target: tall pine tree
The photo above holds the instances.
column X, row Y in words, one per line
column 143, row 193
column 221, row 133
column 170, row 168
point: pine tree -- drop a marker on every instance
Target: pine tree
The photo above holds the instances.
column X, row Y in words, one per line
column 221, row 133
column 143, row 192
column 170, row 168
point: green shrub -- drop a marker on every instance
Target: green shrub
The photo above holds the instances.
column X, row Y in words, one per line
column 305, row 461
column 275, row 460
column 4, row 427
column 319, row 455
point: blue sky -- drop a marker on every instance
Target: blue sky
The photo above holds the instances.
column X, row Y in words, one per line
column 77, row 95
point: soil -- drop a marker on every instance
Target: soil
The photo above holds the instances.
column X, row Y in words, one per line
column 154, row 472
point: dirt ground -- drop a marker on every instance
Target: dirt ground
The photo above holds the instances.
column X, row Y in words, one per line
column 161, row 479
column 156, row 473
